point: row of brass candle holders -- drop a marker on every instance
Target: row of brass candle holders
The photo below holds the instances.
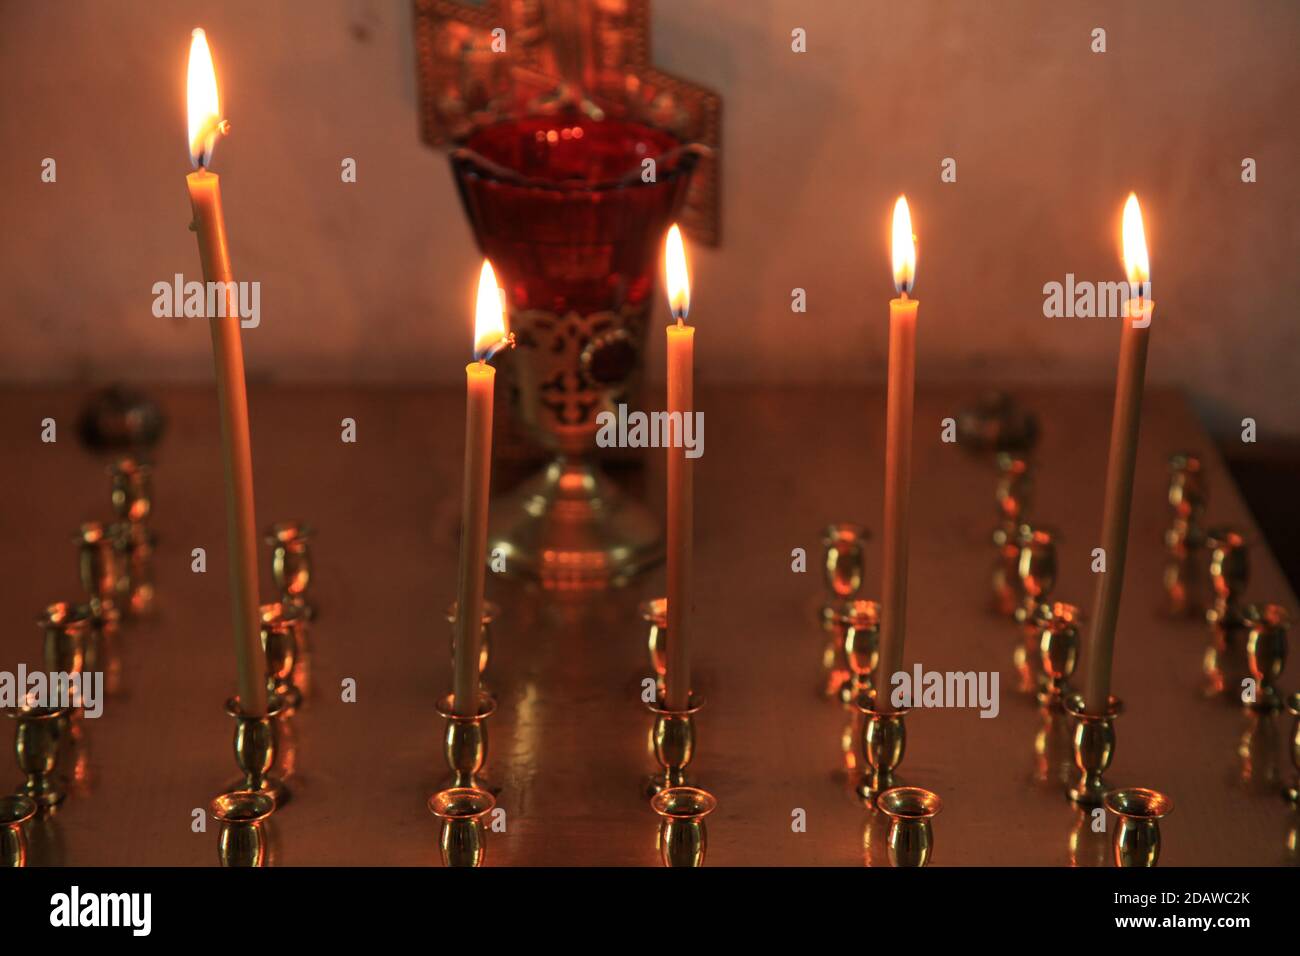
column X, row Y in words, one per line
column 462, row 807
column 284, row 630
column 681, row 806
column 115, row 567
column 876, row 737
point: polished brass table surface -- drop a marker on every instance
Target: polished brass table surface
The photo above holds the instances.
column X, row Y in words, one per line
column 569, row 740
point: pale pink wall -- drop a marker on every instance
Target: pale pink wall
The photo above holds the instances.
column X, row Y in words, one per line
column 373, row 281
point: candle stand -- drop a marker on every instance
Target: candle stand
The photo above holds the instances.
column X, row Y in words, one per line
column 1094, row 748
column 465, row 743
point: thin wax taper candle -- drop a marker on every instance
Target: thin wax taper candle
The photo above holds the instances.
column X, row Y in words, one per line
column 1125, row 421
column 681, row 490
column 489, row 335
column 898, row 454
column 232, row 399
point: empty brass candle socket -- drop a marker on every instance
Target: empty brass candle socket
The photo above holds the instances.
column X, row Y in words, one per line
column 491, row 612
column 15, row 811
column 462, row 838
column 883, row 742
column 1058, row 648
column 683, row 837
column 40, row 732
column 102, row 564
column 1266, row 652
column 465, row 743
column 861, row 626
column 843, row 561
column 291, row 563
column 67, row 630
column 654, row 614
column 1292, row 793
column 256, row 742
column 673, row 739
column 282, row 638
column 911, row 836
column 1094, row 747
column 1036, row 567
column 1137, row 838
column 241, row 841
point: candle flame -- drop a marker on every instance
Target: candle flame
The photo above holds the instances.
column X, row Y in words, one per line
column 1136, row 262
column 204, row 104
column 904, row 248
column 489, row 316
column 678, row 279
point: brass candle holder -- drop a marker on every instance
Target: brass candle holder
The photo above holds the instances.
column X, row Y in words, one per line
column 1266, row 652
column 465, row 743
column 1185, row 581
column 256, row 745
column 1036, row 568
column 1058, row 647
column 132, row 498
column 1012, row 494
column 462, row 838
column 1094, row 747
column 15, row 811
column 654, row 614
column 241, row 841
column 883, row 741
column 843, row 561
column 68, row 631
column 1137, row 838
column 102, row 564
column 291, row 564
column 282, row 625
column 673, row 740
column 911, row 835
column 1229, row 575
column 683, row 837
column 861, row 627
column 1292, row 792
column 37, row 744
column 491, row 613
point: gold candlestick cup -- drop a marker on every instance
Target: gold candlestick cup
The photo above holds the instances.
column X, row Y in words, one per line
column 465, row 743
column 1186, row 587
column 861, row 625
column 911, row 836
column 843, row 544
column 1266, row 652
column 67, row 628
column 37, row 742
column 240, row 813
column 1094, row 747
column 15, row 811
column 883, row 742
column 102, row 565
column 256, row 744
column 1292, row 792
column 1036, row 567
column 673, row 740
column 1137, row 838
column 1058, row 649
column 291, row 563
column 132, row 499
column 281, row 639
column 654, row 614
column 462, row 838
column 683, row 837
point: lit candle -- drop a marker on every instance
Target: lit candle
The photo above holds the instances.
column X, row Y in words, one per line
column 1123, row 454
column 681, row 490
column 205, row 123
column 898, row 454
column 489, row 337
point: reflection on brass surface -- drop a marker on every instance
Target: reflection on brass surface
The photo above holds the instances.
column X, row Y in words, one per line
column 1058, row 648
column 256, row 748
column 1292, row 792
column 1094, row 747
column 1088, row 846
column 67, row 629
column 37, row 740
column 654, row 614
column 1266, row 652
column 911, row 836
column 1258, row 751
column 465, row 743
column 462, row 837
column 241, row 841
column 1137, row 838
column 1223, row 662
column 884, row 740
column 683, row 837
column 1185, row 580
column 843, row 564
column 491, row 612
column 15, row 811
column 673, row 740
column 291, row 564
column 1054, row 746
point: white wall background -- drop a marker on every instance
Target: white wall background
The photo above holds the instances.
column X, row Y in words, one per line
column 373, row 281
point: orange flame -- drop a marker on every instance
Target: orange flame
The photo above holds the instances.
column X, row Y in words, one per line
column 203, row 101
column 489, row 315
column 904, row 248
column 678, row 280
column 1136, row 262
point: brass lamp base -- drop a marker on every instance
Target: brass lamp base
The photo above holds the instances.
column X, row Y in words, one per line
column 571, row 527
